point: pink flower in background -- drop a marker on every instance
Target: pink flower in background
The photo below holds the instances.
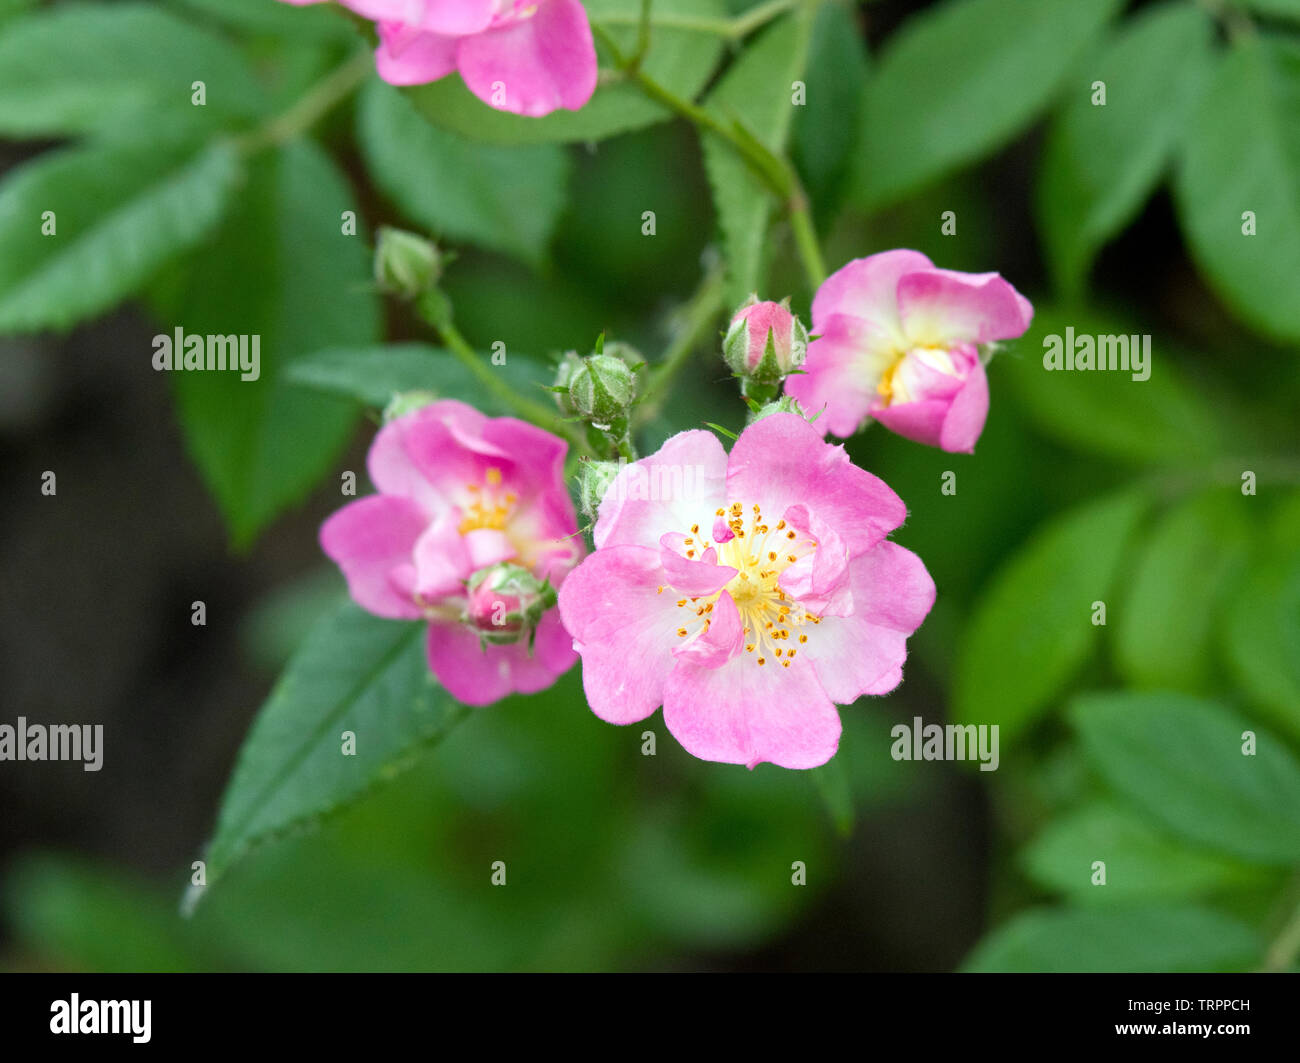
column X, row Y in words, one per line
column 896, row 340
column 528, row 57
column 747, row 594
column 458, row 493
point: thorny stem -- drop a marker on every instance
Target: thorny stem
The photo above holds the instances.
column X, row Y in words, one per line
column 309, row 108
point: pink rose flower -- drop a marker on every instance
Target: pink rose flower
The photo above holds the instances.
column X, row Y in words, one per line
column 460, row 492
column 896, row 340
column 524, row 56
column 747, row 594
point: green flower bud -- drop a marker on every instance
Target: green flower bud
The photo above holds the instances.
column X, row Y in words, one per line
column 569, row 364
column 602, row 390
column 406, row 265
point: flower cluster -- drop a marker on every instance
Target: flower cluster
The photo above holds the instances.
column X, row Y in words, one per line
column 529, row 57
column 749, row 593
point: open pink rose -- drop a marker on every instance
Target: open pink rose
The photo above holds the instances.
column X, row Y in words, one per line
column 748, row 595
column 897, row 340
column 524, row 56
column 459, row 492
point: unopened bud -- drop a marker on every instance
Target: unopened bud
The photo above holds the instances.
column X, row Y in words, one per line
column 765, row 342
column 505, row 603
column 602, row 390
column 406, row 265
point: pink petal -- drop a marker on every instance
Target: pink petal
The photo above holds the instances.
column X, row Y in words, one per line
column 818, row 580
column 693, row 578
column 406, row 56
column 952, row 423
column 864, row 653
column 436, row 453
column 458, row 18
column 487, row 546
column 680, row 485
column 744, row 713
column 441, row 562
column 476, row 675
column 782, row 460
column 625, row 629
column 840, row 374
column 867, row 288
column 722, row 639
column 542, row 63
column 373, row 541
column 552, row 655
column 942, row 307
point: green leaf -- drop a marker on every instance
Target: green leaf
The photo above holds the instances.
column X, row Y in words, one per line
column 1163, row 630
column 1033, row 629
column 118, row 213
column 826, row 127
column 1262, row 636
column 1101, row 162
column 1141, row 863
column 80, row 68
column 1154, row 939
column 1242, row 153
column 1180, row 759
column 354, row 673
column 756, row 93
column 327, row 22
column 505, row 198
column 961, row 80
column 373, row 375
column 1163, row 419
column 283, row 271
column 679, row 59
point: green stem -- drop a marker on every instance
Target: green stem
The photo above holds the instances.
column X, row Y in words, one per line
column 700, row 313
column 772, row 169
column 309, row 108
column 463, row 352
column 805, row 238
column 732, row 29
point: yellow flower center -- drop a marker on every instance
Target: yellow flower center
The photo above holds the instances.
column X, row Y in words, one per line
column 894, row 386
column 489, row 506
column 759, row 553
